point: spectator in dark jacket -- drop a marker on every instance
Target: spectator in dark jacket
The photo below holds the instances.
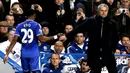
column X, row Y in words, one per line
column 79, row 14
column 79, row 45
column 124, row 44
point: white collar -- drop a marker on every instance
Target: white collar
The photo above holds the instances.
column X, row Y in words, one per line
column 52, row 47
column 81, row 46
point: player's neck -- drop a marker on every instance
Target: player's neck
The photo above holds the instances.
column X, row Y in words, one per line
column 31, row 18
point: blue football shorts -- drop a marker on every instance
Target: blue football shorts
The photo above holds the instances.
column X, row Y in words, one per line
column 31, row 64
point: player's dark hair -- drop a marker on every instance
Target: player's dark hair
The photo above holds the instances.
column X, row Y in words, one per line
column 30, row 12
column 44, row 24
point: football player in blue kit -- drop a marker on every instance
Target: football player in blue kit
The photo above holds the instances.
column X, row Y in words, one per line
column 30, row 32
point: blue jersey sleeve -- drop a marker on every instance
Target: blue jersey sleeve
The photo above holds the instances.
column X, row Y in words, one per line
column 17, row 33
column 38, row 30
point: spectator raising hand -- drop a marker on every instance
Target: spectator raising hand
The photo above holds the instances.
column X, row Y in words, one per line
column 36, row 7
column 80, row 15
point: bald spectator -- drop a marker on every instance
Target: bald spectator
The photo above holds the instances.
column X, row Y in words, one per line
column 58, row 47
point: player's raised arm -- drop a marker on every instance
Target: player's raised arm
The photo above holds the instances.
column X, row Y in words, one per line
column 42, row 38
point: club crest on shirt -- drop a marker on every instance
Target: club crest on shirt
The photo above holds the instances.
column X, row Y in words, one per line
column 51, row 70
column 45, row 48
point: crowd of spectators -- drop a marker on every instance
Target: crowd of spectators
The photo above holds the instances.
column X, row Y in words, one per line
column 62, row 16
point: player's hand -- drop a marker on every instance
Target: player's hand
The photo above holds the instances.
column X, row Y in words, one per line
column 58, row 35
column 63, row 38
column 5, row 58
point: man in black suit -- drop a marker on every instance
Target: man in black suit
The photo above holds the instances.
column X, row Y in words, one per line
column 103, row 38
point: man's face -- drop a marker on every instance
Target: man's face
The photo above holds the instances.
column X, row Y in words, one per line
column 125, row 3
column 58, row 47
column 10, row 20
column 68, row 28
column 3, row 30
column 59, row 2
column 110, row 1
column 55, row 60
column 79, row 38
column 45, row 31
column 16, row 6
column 84, row 67
column 103, row 11
column 125, row 41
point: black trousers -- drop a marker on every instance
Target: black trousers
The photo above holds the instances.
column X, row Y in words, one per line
column 97, row 60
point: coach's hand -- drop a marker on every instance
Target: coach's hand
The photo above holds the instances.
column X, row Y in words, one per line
column 5, row 58
column 63, row 38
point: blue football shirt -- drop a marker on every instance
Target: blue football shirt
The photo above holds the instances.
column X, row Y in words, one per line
column 28, row 32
